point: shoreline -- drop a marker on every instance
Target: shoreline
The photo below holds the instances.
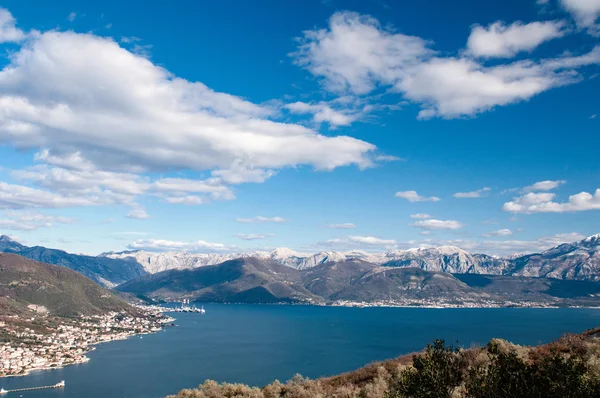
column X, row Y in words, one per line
column 59, row 354
column 390, row 305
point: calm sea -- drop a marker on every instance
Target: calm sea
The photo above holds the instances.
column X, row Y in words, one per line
column 255, row 344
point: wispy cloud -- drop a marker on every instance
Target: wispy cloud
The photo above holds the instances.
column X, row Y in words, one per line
column 500, row 232
column 159, row 245
column 547, row 185
column 433, row 224
column 261, row 219
column 254, row 236
column 347, row 225
column 473, row 194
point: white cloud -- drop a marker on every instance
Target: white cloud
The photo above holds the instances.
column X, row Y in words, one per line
column 159, row 245
column 585, row 12
column 420, row 216
column 20, row 197
column 8, row 31
column 500, row 232
column 547, row 185
column 544, row 203
column 437, row 224
column 413, row 196
column 503, row 41
column 260, row 219
column 101, row 115
column 322, row 112
column 254, row 236
column 473, row 194
column 157, row 121
column 362, row 240
column 387, row 158
column 71, row 17
column 29, row 221
column 347, row 225
column 507, row 247
column 593, row 116
column 356, row 55
column 137, row 214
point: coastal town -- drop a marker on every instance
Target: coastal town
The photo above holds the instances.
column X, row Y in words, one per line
column 41, row 342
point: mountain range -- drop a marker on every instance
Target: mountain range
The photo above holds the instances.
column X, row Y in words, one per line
column 106, row 271
column 571, row 261
column 568, row 274
column 254, row 280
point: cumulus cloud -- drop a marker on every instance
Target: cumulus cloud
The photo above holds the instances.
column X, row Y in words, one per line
column 104, row 119
column 356, row 55
column 261, row 219
column 433, row 224
column 547, row 185
column 473, row 194
column 413, row 196
column 420, row 216
column 254, row 236
column 585, row 12
column 347, row 225
column 157, row 121
column 71, row 17
column 8, row 31
column 159, row 245
column 503, row 41
column 500, row 232
column 544, row 203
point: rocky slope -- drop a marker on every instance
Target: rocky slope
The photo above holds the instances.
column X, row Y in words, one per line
column 106, row 271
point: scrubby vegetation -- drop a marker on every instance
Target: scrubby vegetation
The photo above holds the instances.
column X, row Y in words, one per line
column 569, row 367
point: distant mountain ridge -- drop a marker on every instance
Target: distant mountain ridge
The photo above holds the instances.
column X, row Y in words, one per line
column 106, row 271
column 571, row 261
column 253, row 280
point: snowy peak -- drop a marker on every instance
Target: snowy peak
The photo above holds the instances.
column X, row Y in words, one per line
column 579, row 260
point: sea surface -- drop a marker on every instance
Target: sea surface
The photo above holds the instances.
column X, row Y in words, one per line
column 256, row 344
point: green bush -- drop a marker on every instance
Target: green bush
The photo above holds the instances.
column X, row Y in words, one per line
column 434, row 374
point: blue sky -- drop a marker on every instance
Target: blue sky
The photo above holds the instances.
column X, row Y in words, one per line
column 314, row 125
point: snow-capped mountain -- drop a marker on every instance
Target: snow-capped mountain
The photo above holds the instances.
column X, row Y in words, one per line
column 578, row 260
column 444, row 258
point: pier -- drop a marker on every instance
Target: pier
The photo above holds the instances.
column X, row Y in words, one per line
column 57, row 385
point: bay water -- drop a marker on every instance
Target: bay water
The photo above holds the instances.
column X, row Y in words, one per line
column 255, row 344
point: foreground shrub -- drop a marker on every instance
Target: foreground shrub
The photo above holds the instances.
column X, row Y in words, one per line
column 434, row 374
column 567, row 368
